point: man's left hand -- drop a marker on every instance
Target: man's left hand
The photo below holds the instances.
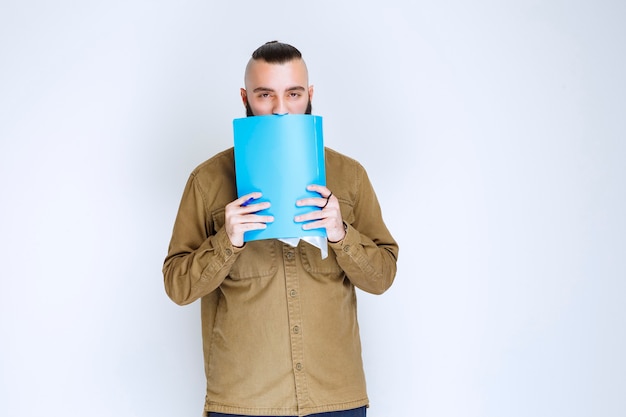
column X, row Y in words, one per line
column 329, row 217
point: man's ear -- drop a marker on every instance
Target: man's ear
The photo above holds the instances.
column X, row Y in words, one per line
column 244, row 96
column 311, row 92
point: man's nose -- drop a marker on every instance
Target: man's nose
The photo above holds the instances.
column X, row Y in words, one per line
column 280, row 107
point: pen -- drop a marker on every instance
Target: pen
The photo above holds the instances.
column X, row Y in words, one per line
column 245, row 203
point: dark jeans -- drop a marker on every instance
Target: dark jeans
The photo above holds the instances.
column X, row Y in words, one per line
column 357, row 412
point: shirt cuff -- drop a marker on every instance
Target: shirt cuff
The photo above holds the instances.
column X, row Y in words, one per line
column 225, row 247
column 351, row 238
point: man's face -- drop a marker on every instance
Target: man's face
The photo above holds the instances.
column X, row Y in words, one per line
column 277, row 88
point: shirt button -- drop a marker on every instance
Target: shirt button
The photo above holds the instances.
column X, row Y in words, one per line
column 346, row 248
column 228, row 252
column 298, row 366
column 296, row 329
column 289, row 255
column 293, row 293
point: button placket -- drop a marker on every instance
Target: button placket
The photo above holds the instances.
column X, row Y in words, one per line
column 292, row 291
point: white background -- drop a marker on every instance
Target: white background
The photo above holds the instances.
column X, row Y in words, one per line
column 494, row 134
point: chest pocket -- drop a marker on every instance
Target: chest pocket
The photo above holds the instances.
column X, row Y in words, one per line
column 258, row 260
column 317, row 267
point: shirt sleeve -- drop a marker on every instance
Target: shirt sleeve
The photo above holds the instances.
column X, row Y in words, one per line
column 368, row 253
column 199, row 258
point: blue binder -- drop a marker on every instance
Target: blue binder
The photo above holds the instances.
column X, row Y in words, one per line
column 279, row 155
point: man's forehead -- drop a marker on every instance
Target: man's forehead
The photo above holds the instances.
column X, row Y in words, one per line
column 258, row 70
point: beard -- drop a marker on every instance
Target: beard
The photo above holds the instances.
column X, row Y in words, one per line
column 249, row 112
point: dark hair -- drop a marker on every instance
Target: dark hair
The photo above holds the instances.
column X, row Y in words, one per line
column 275, row 52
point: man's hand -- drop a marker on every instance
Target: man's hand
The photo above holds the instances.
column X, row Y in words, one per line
column 329, row 217
column 240, row 217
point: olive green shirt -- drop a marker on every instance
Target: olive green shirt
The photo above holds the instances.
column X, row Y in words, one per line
column 279, row 323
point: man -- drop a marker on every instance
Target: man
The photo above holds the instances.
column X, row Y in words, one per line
column 279, row 323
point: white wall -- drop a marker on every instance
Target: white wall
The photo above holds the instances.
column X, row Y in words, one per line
column 494, row 132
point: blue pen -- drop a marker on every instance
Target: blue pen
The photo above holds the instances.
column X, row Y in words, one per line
column 245, row 203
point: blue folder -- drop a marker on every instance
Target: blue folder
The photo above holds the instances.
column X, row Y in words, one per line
column 279, row 155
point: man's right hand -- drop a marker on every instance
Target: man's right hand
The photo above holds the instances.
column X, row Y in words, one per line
column 240, row 217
